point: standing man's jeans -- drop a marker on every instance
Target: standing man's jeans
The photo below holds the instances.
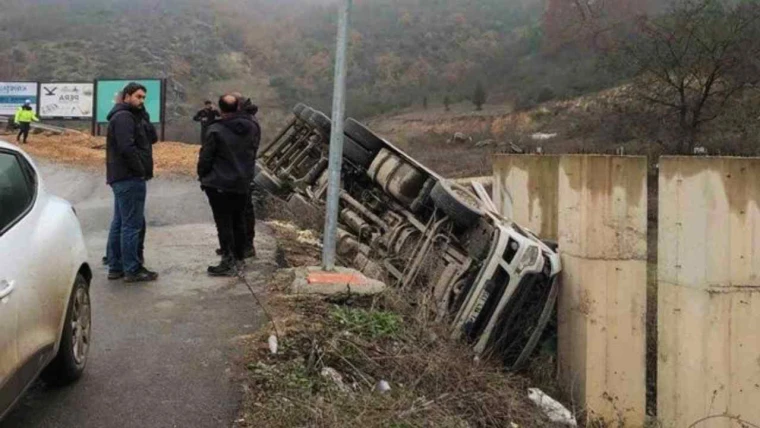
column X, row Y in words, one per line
column 228, row 209
column 128, row 226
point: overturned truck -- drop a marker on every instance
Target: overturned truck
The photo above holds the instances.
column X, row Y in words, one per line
column 491, row 280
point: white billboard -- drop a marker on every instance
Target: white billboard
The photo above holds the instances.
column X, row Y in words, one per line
column 14, row 94
column 66, row 100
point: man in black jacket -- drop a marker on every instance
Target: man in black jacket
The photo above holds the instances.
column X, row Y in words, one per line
column 129, row 165
column 206, row 117
column 245, row 105
column 225, row 170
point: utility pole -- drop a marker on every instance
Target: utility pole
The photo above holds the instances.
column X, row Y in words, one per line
column 336, row 139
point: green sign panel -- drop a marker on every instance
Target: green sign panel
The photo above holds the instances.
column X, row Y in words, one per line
column 107, row 91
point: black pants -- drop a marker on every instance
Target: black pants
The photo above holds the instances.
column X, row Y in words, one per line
column 204, row 131
column 24, row 128
column 250, row 221
column 228, row 209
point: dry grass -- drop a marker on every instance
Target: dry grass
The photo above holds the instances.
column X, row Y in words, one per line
column 434, row 381
column 81, row 149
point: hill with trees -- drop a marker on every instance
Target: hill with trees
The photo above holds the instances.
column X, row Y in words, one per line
column 402, row 51
column 404, row 54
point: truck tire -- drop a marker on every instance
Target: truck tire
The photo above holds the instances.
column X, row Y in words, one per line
column 362, row 135
column 268, row 182
column 357, row 154
column 298, row 109
column 305, row 114
column 457, row 202
column 321, row 121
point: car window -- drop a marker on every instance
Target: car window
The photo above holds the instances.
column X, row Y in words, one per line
column 16, row 189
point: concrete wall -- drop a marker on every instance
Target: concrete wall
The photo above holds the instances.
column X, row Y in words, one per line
column 602, row 307
column 709, row 291
column 525, row 190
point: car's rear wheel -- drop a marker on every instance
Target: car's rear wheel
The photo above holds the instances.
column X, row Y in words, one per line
column 68, row 365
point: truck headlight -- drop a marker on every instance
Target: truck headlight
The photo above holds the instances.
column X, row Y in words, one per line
column 528, row 259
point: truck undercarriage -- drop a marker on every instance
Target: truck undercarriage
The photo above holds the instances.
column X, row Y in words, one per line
column 491, row 280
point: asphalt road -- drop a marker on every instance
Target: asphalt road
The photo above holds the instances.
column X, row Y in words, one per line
column 164, row 354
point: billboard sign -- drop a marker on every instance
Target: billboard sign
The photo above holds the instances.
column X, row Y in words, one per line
column 14, row 94
column 107, row 92
column 66, row 100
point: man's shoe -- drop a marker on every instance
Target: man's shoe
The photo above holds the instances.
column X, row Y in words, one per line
column 142, row 275
column 219, row 252
column 225, row 268
column 112, row 275
column 250, row 253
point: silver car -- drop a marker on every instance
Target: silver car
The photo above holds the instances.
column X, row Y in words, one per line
column 45, row 307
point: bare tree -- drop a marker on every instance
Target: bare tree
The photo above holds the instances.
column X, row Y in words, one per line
column 694, row 59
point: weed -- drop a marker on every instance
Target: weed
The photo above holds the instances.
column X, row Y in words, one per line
column 366, row 323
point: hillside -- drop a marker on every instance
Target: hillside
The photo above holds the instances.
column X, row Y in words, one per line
column 279, row 52
column 601, row 122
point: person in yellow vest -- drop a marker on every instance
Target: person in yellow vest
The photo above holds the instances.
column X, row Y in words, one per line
column 24, row 118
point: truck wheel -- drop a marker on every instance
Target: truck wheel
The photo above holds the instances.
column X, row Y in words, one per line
column 305, row 114
column 321, row 121
column 267, row 181
column 362, row 135
column 298, row 109
column 68, row 365
column 458, row 203
column 357, row 154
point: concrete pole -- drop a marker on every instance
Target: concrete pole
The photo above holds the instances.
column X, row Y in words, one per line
column 336, row 138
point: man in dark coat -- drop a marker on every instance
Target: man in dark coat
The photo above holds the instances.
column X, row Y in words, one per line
column 225, row 170
column 129, row 165
column 206, row 116
column 248, row 107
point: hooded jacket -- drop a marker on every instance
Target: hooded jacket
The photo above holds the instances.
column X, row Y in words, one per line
column 129, row 144
column 25, row 115
column 228, row 155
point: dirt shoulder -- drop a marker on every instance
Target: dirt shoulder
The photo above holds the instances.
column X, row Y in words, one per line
column 75, row 148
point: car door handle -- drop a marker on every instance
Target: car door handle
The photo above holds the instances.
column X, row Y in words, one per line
column 6, row 288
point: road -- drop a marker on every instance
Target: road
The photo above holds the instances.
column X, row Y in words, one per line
column 164, row 354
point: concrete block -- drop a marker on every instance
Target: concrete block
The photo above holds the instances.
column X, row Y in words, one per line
column 603, row 207
column 602, row 304
column 526, row 191
column 313, row 280
column 709, row 290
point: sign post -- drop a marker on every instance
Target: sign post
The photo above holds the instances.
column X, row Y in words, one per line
column 336, row 139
